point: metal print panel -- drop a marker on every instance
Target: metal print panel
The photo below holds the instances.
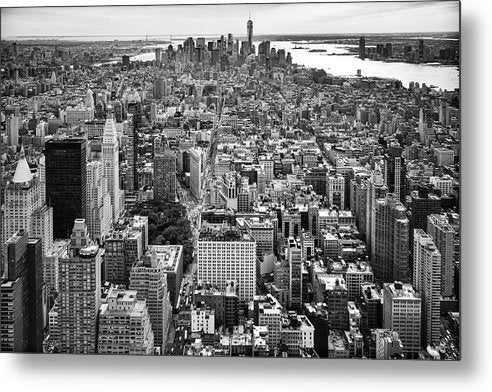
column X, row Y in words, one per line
column 244, row 180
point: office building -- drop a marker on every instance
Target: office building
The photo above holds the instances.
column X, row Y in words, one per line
column 270, row 314
column 336, row 191
column 111, row 165
column 427, row 281
column 297, row 333
column 21, row 296
column 388, row 344
column 123, row 249
column 195, row 171
column 224, row 255
column 370, row 304
column 149, row 279
column 362, row 48
column 42, row 227
column 402, row 309
column 12, row 124
column 171, row 259
column 99, row 209
column 389, row 241
column 394, row 170
column 164, row 173
column 294, row 257
column 124, row 324
column 66, row 182
column 443, row 235
column 80, row 293
column 376, row 189
column 355, row 275
column 249, row 28
column 22, row 198
column 332, row 290
column 224, row 303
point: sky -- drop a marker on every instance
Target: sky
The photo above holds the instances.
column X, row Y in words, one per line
column 196, row 20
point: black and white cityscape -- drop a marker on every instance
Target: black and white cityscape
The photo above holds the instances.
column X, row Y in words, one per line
column 244, row 180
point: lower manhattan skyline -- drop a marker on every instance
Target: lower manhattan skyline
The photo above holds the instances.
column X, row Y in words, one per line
column 270, row 183
column 301, row 18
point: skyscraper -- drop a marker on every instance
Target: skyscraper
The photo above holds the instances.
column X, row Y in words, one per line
column 123, row 248
column 427, row 281
column 376, row 189
column 423, row 203
column 149, row 279
column 294, row 256
column 389, row 241
column 111, row 165
column 249, row 28
column 21, row 298
column 394, row 170
column 66, row 183
column 99, row 210
column 124, row 324
column 80, row 292
column 196, row 171
column 362, row 48
column 443, row 235
column 402, row 309
column 12, row 124
column 164, row 172
column 22, row 198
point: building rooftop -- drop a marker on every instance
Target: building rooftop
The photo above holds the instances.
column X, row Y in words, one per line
column 169, row 256
column 228, row 234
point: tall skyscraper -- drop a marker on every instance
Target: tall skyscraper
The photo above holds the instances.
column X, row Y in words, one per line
column 158, row 57
column 148, row 278
column 124, row 324
column 99, row 210
column 394, row 170
column 196, row 172
column 443, row 235
column 376, row 189
column 402, row 309
column 22, row 198
column 427, row 281
column 42, row 227
column 123, row 248
column 294, row 256
column 249, row 28
column 362, row 48
column 12, row 124
column 389, row 241
column 111, row 165
column 21, row 296
column 42, row 178
column 66, row 183
column 164, row 172
column 80, row 293
column 423, row 203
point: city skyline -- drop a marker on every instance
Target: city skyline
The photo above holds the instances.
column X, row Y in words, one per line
column 270, row 19
column 232, row 197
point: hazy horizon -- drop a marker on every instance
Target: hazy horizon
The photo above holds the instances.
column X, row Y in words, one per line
column 214, row 20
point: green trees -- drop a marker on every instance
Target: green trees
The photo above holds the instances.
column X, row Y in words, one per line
column 168, row 225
